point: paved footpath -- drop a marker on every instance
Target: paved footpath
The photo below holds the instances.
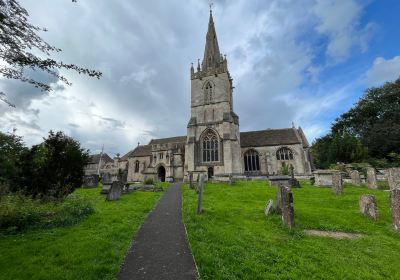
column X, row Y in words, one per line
column 160, row 250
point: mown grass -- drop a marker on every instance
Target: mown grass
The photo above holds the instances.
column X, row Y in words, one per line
column 92, row 249
column 233, row 239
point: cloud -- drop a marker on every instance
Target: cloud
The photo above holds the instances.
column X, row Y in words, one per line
column 383, row 71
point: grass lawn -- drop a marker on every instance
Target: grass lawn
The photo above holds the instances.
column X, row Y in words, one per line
column 233, row 239
column 92, row 249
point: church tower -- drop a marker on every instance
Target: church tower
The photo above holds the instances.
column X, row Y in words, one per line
column 213, row 141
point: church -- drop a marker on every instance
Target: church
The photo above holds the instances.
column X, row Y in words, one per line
column 214, row 145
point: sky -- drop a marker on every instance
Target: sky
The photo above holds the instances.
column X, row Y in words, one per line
column 300, row 61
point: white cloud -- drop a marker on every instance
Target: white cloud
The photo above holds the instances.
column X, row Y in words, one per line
column 383, row 71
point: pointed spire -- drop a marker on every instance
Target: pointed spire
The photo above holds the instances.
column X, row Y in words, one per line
column 212, row 56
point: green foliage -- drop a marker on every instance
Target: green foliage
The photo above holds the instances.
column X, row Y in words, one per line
column 19, row 212
column 334, row 148
column 148, row 181
column 91, row 249
column 375, row 120
column 285, row 169
column 233, row 239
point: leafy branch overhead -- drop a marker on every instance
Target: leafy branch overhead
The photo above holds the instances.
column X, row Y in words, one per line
column 19, row 40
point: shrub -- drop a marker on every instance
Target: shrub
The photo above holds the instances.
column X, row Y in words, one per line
column 285, row 169
column 149, row 181
column 19, row 212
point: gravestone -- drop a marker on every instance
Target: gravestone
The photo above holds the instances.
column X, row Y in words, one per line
column 115, row 191
column 91, row 181
column 286, row 204
column 394, row 178
column 371, row 178
column 337, row 183
column 191, row 180
column 200, row 195
column 323, row 177
column 106, row 179
column 395, row 208
column 269, row 207
column 278, row 208
column 293, row 182
column 355, row 177
column 368, row 206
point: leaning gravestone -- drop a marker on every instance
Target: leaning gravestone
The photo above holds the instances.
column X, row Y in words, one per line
column 368, row 206
column 371, row 178
column 394, row 178
column 200, row 195
column 269, row 207
column 115, row 191
column 91, row 181
column 337, row 183
column 395, row 208
column 355, row 177
column 286, row 205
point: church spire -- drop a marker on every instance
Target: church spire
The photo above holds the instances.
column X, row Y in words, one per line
column 212, row 56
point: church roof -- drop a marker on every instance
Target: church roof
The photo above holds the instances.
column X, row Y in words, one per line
column 270, row 137
column 96, row 158
column 177, row 139
column 140, row 151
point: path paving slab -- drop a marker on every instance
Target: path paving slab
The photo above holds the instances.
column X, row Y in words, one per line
column 161, row 249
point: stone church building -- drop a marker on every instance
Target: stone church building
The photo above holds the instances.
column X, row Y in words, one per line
column 214, row 144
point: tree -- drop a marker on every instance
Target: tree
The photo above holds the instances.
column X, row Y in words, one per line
column 54, row 168
column 18, row 40
column 375, row 120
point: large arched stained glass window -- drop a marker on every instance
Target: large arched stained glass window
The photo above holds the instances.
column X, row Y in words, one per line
column 208, row 89
column 251, row 161
column 210, row 147
column 284, row 154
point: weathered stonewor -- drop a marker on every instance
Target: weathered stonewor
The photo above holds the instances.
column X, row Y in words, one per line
column 371, row 178
column 368, row 206
column 395, row 208
column 115, row 191
column 91, row 181
column 337, row 183
column 394, row 178
column 269, row 207
column 355, row 177
column 106, row 179
column 191, row 180
column 200, row 195
column 286, row 205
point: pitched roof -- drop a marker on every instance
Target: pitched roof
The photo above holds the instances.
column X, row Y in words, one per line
column 177, row 139
column 270, row 137
column 140, row 151
column 96, row 158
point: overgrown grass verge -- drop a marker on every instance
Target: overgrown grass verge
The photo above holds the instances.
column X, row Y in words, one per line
column 93, row 249
column 20, row 213
column 233, row 239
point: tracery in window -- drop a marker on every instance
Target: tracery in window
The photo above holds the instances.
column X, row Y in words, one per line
column 251, row 161
column 284, row 154
column 210, row 147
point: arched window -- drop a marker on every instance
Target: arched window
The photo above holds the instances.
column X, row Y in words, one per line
column 208, row 93
column 210, row 147
column 251, row 161
column 136, row 166
column 284, row 154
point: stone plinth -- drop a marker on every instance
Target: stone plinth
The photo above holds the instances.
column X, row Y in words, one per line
column 323, row 177
column 368, row 206
column 395, row 208
column 371, row 178
column 337, row 183
column 115, row 191
column 394, row 178
column 355, row 177
column 275, row 180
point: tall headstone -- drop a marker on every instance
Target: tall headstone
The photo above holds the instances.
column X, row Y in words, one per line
column 115, row 191
column 395, row 208
column 200, row 195
column 371, row 178
column 368, row 206
column 355, row 177
column 286, row 204
column 394, row 178
column 337, row 183
column 191, row 180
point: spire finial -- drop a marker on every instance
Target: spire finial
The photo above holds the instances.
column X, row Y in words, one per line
column 210, row 3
